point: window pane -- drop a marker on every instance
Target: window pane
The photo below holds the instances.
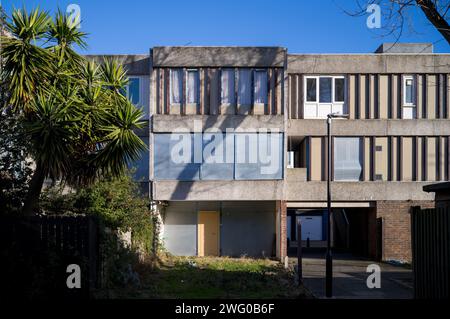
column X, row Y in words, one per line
column 258, row 156
column 176, row 86
column 261, row 87
column 244, row 90
column 347, row 159
column 141, row 165
column 311, row 90
column 227, row 85
column 325, row 90
column 174, row 157
column 133, row 90
column 192, row 92
column 408, row 91
column 339, row 90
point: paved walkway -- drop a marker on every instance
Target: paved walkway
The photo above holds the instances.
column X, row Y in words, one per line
column 349, row 278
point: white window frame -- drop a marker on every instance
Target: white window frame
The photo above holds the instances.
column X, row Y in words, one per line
column 413, row 95
column 197, row 94
column 333, row 96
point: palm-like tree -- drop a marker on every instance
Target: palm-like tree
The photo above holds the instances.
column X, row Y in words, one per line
column 80, row 125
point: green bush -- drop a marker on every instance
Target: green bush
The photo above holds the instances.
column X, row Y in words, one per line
column 119, row 205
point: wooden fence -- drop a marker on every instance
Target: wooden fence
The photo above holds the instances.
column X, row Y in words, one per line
column 37, row 251
column 430, row 239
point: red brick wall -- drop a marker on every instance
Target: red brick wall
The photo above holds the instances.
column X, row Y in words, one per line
column 396, row 238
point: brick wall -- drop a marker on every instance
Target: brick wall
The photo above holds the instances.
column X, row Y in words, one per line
column 396, row 238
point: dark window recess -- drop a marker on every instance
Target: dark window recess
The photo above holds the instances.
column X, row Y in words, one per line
column 378, row 177
column 378, row 148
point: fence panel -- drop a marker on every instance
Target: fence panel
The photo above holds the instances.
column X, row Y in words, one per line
column 39, row 249
column 430, row 240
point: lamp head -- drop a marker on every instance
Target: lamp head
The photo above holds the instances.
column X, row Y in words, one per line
column 337, row 116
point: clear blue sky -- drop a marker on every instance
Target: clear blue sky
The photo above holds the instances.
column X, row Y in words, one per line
column 302, row 26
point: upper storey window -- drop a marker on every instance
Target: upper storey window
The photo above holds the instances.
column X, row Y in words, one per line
column 192, row 87
column 244, row 87
column 324, row 95
column 227, row 87
column 176, row 86
column 134, row 90
column 137, row 92
column 409, row 97
column 260, row 89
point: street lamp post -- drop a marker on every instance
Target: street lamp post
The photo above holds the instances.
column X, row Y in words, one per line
column 329, row 256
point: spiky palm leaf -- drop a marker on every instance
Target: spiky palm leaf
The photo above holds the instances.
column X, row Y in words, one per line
column 26, row 65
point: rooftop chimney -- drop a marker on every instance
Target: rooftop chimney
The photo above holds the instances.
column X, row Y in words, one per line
column 405, row 48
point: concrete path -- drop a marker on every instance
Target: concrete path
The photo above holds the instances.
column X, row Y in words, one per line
column 349, row 278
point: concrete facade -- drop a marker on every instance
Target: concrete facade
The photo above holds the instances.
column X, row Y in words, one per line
column 399, row 152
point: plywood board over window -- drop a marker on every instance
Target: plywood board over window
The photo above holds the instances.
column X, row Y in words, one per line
column 431, row 96
column 381, row 158
column 407, row 158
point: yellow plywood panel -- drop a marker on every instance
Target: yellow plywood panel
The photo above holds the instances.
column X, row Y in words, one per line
column 367, row 159
column 351, row 96
column 372, row 94
column 208, row 233
column 419, row 101
column 407, row 160
column 431, row 158
column 395, row 95
column 381, row 157
column 419, row 158
column 431, row 96
column 362, row 96
column 316, row 158
column 383, row 104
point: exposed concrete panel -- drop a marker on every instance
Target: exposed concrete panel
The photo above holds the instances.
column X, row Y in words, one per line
column 135, row 64
column 218, row 190
column 296, row 174
column 357, row 191
column 367, row 63
column 418, row 48
column 218, row 56
column 170, row 123
column 370, row 127
column 248, row 228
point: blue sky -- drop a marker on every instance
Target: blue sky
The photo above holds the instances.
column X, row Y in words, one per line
column 302, row 26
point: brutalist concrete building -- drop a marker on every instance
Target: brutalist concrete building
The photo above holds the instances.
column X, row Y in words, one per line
column 237, row 145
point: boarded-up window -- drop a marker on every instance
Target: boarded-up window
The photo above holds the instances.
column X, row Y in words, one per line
column 176, row 86
column 244, row 87
column 260, row 86
column 347, row 159
column 192, row 87
column 227, row 87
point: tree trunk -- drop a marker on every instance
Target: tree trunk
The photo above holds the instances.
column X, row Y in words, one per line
column 31, row 202
column 435, row 18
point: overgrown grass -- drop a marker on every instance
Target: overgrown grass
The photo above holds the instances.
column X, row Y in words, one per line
column 208, row 277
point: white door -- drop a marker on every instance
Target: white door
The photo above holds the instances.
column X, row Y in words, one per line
column 311, row 227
